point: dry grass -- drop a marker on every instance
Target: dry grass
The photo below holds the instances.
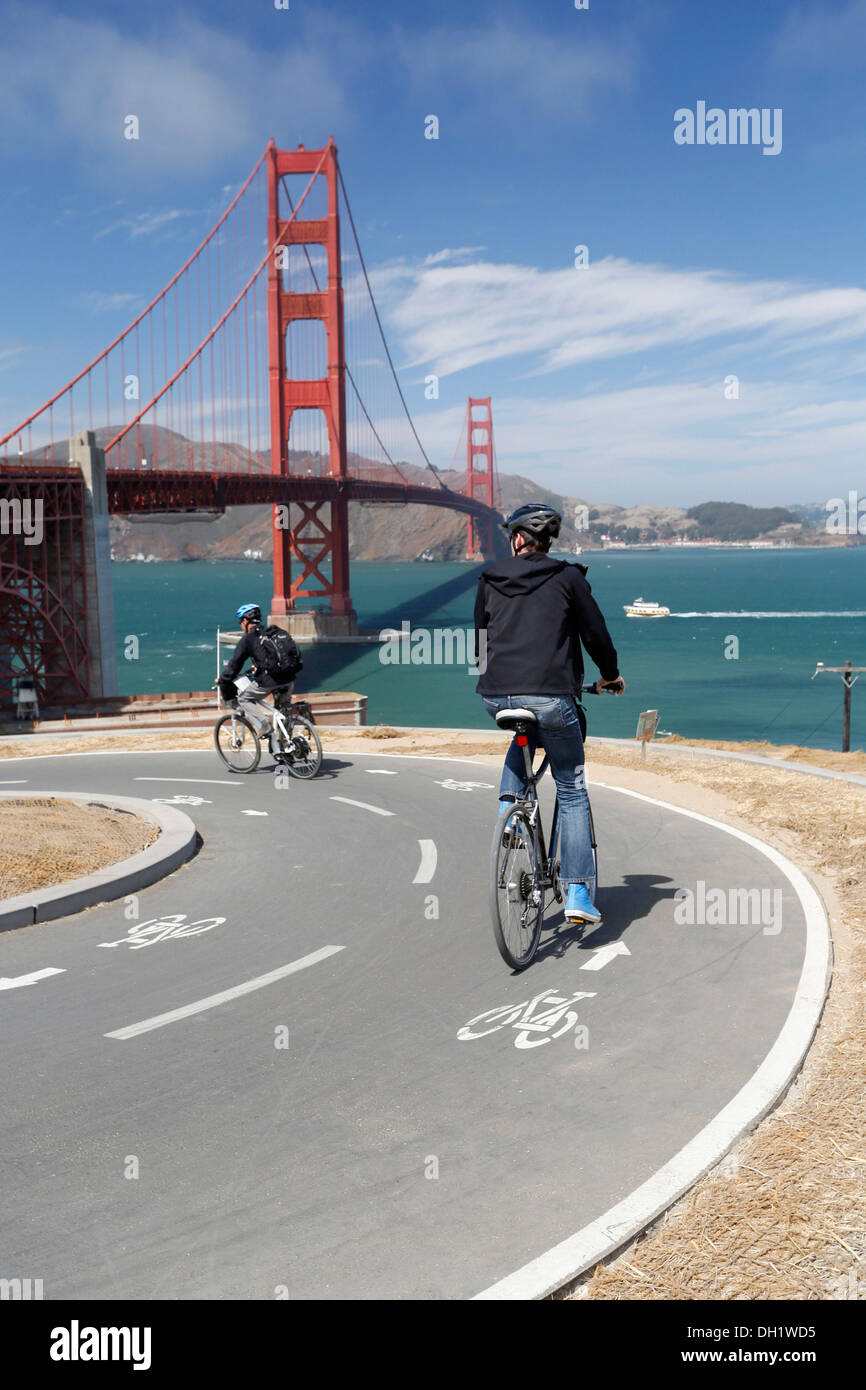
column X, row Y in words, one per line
column 784, row 1216
column 46, row 842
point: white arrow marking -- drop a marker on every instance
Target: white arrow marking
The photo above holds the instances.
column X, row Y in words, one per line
column 429, row 859
column 605, row 954
column 255, row 813
column 15, row 981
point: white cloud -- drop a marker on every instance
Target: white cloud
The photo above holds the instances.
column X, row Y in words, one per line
column 677, row 443
column 201, row 94
column 145, row 223
column 815, row 36
column 456, row 317
column 457, row 253
column 10, row 351
column 508, row 66
column 106, row 301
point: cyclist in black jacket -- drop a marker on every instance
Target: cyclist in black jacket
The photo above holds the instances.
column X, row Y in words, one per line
column 531, row 615
column 262, row 683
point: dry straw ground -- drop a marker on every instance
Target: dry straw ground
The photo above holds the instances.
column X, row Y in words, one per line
column 784, row 1216
column 44, row 842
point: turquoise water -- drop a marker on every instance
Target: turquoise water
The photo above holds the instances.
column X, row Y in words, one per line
column 811, row 606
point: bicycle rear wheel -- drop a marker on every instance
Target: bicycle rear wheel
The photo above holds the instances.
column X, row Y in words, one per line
column 237, row 743
column 516, row 895
column 303, row 755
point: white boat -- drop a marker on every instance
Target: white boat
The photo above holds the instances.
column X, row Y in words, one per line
column 643, row 608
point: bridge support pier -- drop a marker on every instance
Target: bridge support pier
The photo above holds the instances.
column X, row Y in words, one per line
column 99, row 597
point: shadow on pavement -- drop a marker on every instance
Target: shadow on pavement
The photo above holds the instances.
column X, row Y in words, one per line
column 622, row 906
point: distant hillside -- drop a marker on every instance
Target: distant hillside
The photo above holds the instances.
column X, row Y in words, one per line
column 733, row 521
column 380, row 531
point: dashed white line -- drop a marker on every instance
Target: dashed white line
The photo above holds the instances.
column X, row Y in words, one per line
column 255, row 813
column 429, row 860
column 364, row 805
column 160, row 1020
column 18, row 782
column 380, row 771
column 211, row 781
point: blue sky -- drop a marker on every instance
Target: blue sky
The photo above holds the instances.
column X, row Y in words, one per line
column 556, row 128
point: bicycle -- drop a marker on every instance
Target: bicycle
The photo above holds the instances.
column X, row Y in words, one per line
column 521, row 869
column 299, row 746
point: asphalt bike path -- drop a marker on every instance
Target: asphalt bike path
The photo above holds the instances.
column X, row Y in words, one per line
column 380, row 1119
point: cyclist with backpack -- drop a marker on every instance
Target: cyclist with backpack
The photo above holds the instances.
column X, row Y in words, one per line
column 275, row 663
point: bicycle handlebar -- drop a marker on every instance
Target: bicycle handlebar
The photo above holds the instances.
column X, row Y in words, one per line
column 606, row 690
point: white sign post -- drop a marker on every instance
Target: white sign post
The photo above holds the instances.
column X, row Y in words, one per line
column 648, row 722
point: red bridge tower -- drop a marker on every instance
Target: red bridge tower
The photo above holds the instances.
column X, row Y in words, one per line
column 481, row 535
column 313, row 540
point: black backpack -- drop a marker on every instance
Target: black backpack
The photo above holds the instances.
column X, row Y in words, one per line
column 282, row 659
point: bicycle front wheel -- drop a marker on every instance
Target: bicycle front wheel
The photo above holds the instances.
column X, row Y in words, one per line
column 516, row 894
column 303, row 754
column 237, row 743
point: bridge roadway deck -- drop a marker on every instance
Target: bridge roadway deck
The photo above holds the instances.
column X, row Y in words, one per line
column 376, row 1154
column 162, row 490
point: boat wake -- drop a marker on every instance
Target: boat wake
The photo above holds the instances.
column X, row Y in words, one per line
column 842, row 613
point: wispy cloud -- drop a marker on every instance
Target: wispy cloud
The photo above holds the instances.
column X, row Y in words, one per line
column 10, row 351
column 458, row 253
column 458, row 316
column 505, row 64
column 201, row 94
column 145, row 223
column 103, row 302
column 819, row 37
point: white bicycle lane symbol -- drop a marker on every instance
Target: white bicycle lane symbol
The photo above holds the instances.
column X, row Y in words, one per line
column 556, row 1017
column 158, row 928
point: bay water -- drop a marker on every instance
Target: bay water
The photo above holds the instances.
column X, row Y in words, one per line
column 734, row 661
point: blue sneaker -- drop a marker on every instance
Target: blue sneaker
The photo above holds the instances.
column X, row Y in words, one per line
column 579, row 907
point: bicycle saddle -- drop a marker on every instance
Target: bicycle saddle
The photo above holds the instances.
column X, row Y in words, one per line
column 510, row 718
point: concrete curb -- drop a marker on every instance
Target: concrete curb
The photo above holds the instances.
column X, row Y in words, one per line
column 176, row 844
column 558, row 1268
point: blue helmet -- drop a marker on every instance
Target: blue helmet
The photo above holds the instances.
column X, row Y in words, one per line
column 249, row 610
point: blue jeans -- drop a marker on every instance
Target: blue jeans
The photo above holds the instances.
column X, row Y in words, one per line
column 559, row 733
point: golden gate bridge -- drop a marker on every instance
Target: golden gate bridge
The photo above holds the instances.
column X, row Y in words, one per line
column 261, row 375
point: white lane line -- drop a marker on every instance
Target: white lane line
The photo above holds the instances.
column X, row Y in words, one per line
column 255, row 813
column 364, row 805
column 160, row 1020
column 20, row 781
column 16, row 981
column 380, row 771
column 604, row 954
column 211, row 781
column 618, row 1225
column 429, row 860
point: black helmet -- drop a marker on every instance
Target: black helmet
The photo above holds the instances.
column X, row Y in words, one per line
column 536, row 519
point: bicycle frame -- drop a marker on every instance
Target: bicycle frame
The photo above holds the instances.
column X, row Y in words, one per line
column 533, row 807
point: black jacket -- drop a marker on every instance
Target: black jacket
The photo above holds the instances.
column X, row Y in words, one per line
column 249, row 647
column 536, row 611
